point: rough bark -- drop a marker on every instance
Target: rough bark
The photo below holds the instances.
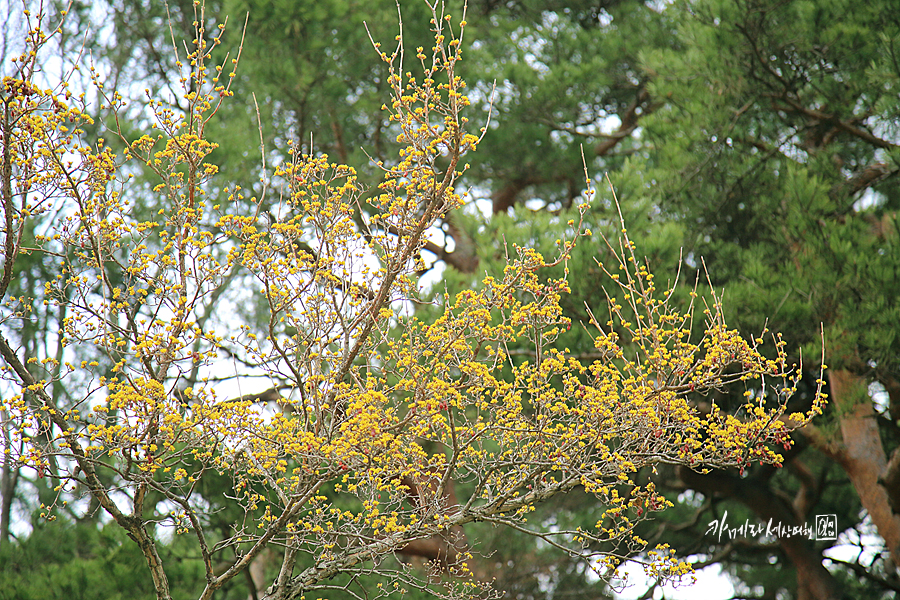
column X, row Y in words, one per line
column 862, row 454
column 890, row 479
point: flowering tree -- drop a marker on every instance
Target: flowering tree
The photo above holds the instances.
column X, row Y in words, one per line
column 381, row 433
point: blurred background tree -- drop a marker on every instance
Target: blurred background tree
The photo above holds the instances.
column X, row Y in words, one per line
column 755, row 137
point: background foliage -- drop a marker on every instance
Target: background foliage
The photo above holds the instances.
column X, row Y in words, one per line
column 756, row 137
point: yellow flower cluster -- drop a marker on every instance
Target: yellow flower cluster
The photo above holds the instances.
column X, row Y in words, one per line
column 380, row 428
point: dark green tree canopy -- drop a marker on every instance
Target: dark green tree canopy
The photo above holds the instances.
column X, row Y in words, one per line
column 755, row 139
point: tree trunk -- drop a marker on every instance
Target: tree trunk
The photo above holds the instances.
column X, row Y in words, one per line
column 9, row 477
column 862, row 455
